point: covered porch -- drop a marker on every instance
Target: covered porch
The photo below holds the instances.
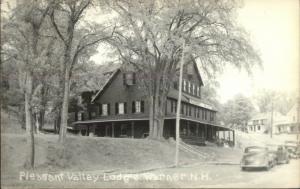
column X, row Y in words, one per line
column 197, row 132
column 135, row 128
column 191, row 131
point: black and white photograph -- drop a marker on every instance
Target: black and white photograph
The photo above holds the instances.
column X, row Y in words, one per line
column 150, row 94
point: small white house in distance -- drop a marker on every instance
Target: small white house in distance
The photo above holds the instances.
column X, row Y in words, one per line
column 261, row 122
column 291, row 123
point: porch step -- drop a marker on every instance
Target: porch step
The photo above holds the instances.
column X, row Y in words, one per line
column 194, row 140
column 194, row 150
column 190, row 149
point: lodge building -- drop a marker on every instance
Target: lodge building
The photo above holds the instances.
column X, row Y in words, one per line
column 121, row 109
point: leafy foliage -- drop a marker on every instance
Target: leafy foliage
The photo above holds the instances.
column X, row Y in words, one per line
column 237, row 111
column 282, row 101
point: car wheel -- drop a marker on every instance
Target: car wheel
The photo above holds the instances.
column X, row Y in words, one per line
column 273, row 163
column 268, row 167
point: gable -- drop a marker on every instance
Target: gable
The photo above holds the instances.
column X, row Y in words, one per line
column 106, row 85
column 191, row 73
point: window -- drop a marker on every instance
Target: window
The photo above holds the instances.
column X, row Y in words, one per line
column 186, row 109
column 173, row 106
column 80, row 99
column 190, row 110
column 258, row 128
column 137, row 106
column 124, row 130
column 194, row 89
column 129, row 78
column 93, row 115
column 212, row 116
column 189, row 87
column 121, row 108
column 79, row 116
column 198, row 113
column 184, row 85
column 198, row 91
column 104, row 110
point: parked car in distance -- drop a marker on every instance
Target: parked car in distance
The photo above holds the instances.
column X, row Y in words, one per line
column 293, row 149
column 257, row 157
column 280, row 152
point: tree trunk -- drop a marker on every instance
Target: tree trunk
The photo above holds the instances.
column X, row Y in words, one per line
column 57, row 121
column 156, row 120
column 151, row 116
column 29, row 163
column 42, row 119
column 65, row 106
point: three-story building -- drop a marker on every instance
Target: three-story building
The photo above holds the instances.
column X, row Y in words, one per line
column 121, row 109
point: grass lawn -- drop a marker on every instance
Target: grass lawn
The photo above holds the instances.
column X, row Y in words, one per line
column 88, row 154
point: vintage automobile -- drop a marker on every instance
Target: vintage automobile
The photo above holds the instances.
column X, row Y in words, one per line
column 280, row 152
column 293, row 149
column 257, row 157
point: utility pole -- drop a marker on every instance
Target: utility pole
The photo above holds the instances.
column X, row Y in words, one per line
column 272, row 111
column 298, row 119
column 298, row 109
column 178, row 107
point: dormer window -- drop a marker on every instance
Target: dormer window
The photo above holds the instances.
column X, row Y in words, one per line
column 129, row 78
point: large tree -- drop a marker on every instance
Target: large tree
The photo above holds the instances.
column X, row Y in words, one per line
column 237, row 111
column 77, row 37
column 24, row 46
column 150, row 36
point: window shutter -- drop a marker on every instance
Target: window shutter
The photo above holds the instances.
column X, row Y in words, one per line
column 125, row 107
column 100, row 109
column 116, row 108
column 90, row 114
column 76, row 116
column 124, row 79
column 142, row 106
column 108, row 109
column 133, row 107
column 133, row 78
column 181, row 109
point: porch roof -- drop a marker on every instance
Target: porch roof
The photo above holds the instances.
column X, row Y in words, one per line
column 191, row 100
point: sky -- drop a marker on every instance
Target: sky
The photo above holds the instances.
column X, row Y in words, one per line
column 273, row 26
